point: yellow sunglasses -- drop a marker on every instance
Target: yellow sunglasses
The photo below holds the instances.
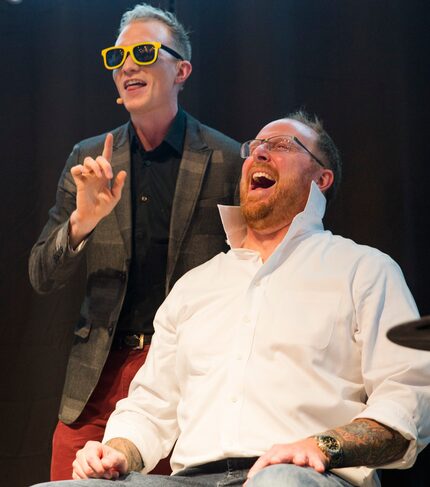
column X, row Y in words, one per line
column 142, row 54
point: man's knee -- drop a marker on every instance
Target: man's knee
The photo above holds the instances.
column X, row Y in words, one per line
column 60, row 483
column 285, row 475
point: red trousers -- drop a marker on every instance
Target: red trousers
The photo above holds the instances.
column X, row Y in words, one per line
column 119, row 370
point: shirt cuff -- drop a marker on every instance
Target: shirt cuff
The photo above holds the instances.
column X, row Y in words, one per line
column 391, row 414
column 78, row 248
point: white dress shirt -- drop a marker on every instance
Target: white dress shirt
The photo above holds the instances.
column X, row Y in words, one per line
column 248, row 354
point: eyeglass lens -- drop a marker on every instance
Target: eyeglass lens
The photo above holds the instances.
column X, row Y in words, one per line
column 114, row 56
column 144, row 53
column 274, row 144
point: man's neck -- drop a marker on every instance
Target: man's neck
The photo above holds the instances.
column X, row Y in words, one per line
column 264, row 241
column 152, row 127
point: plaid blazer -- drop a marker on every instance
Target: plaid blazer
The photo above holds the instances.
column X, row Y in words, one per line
column 208, row 174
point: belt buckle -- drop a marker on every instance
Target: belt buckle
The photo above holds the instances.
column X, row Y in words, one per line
column 141, row 338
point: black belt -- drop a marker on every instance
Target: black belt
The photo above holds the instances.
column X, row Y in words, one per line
column 220, row 466
column 135, row 341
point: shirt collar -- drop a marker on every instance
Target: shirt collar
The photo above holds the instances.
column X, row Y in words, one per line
column 174, row 137
column 176, row 134
column 310, row 218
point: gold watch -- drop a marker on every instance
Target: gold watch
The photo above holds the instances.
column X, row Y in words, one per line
column 332, row 448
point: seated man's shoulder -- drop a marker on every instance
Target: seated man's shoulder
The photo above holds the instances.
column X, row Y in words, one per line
column 204, row 274
column 357, row 254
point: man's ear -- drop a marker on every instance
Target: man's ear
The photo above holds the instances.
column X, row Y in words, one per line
column 183, row 72
column 325, row 179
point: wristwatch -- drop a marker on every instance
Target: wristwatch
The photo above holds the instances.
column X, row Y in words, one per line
column 332, row 448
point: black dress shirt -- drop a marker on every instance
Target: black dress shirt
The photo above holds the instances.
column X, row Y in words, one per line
column 153, row 181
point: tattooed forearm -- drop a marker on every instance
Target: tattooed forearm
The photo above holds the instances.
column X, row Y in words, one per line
column 368, row 443
column 135, row 462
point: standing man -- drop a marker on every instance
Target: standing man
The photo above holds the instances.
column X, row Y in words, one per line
column 137, row 208
column 284, row 374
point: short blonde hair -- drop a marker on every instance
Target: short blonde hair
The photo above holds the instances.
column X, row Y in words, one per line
column 143, row 11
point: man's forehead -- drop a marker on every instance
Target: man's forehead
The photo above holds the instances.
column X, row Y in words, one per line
column 144, row 30
column 286, row 126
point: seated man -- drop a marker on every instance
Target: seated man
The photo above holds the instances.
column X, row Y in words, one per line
column 270, row 364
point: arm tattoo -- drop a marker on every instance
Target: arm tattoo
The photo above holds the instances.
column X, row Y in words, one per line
column 366, row 442
column 134, row 460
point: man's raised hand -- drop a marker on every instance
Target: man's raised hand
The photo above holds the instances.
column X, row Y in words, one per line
column 96, row 195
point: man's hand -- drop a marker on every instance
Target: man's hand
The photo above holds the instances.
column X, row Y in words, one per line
column 364, row 442
column 95, row 195
column 96, row 460
column 304, row 453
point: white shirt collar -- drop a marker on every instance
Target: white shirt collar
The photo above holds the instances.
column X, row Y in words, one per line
column 235, row 226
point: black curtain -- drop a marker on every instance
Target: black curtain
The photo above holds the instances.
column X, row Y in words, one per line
column 361, row 65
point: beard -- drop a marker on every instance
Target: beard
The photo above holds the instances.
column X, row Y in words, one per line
column 280, row 208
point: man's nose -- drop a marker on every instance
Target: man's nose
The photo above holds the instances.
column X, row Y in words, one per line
column 261, row 153
column 129, row 64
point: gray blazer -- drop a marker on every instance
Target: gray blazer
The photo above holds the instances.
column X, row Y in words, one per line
column 208, row 174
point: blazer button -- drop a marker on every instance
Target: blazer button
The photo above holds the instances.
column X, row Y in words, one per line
column 58, row 254
column 110, row 330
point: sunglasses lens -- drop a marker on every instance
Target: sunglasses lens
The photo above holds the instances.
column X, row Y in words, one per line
column 145, row 53
column 114, row 57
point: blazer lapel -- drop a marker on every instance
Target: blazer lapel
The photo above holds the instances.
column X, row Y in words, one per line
column 195, row 159
column 121, row 161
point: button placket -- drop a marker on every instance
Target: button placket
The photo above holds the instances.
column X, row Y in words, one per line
column 241, row 349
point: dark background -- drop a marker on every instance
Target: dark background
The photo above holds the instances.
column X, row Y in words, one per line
column 361, row 65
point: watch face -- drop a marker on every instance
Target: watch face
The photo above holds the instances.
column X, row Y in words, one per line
column 331, row 443
column 331, row 447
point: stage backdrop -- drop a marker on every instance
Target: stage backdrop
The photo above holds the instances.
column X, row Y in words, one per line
column 361, row 65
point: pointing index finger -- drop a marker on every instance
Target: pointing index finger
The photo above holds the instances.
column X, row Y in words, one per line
column 107, row 149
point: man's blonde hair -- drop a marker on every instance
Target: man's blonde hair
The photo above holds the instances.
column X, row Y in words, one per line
column 143, row 11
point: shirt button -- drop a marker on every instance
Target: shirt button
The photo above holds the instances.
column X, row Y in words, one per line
column 233, row 399
column 239, row 356
column 144, row 199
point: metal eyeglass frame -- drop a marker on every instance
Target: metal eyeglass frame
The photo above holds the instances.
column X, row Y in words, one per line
column 245, row 152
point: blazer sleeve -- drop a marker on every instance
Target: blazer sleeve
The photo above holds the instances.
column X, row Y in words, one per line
column 52, row 262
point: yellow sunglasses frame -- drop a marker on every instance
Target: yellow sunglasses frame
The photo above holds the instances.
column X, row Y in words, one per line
column 129, row 50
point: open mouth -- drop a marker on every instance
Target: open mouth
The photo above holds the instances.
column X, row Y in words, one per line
column 261, row 180
column 132, row 84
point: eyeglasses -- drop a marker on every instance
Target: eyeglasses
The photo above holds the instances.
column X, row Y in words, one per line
column 143, row 54
column 277, row 143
